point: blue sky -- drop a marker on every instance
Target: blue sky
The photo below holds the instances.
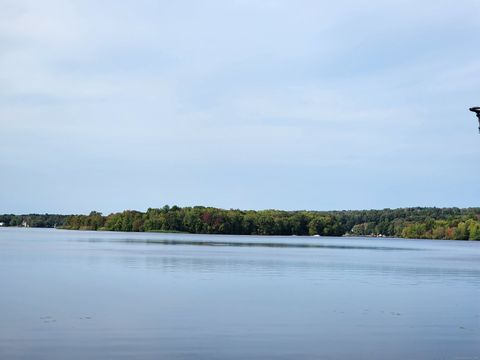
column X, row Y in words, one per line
column 113, row 105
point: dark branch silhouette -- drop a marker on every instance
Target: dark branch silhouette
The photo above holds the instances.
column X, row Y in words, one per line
column 476, row 110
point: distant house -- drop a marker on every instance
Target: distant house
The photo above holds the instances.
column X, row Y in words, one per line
column 24, row 223
column 2, row 224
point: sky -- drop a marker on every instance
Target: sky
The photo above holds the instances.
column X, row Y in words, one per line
column 319, row 105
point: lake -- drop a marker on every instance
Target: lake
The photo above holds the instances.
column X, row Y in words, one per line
column 106, row 295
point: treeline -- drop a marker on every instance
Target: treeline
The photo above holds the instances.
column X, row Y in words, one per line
column 424, row 223
column 34, row 220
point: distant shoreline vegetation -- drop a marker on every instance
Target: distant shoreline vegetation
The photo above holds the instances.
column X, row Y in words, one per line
column 422, row 223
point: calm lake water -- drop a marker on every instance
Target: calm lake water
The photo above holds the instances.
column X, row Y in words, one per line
column 103, row 295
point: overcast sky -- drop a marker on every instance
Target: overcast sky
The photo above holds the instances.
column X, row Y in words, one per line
column 346, row 104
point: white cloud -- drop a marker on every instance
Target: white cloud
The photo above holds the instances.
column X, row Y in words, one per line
column 364, row 86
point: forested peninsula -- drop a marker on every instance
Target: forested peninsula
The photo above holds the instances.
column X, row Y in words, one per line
column 422, row 223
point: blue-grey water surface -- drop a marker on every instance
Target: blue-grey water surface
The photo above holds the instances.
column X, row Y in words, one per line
column 104, row 295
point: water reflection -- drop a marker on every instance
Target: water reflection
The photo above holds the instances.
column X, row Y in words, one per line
column 278, row 267
column 271, row 244
column 81, row 295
